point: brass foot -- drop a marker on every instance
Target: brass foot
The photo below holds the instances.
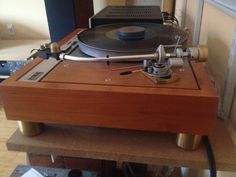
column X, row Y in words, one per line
column 30, row 128
column 187, row 141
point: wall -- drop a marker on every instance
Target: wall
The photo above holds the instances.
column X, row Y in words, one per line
column 180, row 11
column 27, row 16
column 144, row 2
column 100, row 4
column 30, row 21
column 216, row 32
column 167, row 5
column 190, row 15
column 218, row 37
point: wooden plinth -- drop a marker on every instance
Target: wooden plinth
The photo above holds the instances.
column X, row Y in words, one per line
column 92, row 94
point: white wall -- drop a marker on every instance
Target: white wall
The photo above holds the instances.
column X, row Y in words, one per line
column 100, row 4
column 27, row 16
column 190, row 15
column 144, row 2
column 30, row 21
column 218, row 37
column 180, row 11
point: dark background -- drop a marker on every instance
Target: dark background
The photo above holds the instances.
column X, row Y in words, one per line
column 64, row 16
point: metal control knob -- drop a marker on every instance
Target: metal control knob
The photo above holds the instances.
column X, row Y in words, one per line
column 54, row 48
column 203, row 53
column 199, row 53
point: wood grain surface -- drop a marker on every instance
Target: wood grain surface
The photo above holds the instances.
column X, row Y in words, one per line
column 9, row 160
column 99, row 73
column 72, row 95
column 125, row 145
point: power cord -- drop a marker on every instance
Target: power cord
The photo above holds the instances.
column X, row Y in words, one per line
column 210, row 154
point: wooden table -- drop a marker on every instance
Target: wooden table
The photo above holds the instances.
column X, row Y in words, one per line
column 125, row 145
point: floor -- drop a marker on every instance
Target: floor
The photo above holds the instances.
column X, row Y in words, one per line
column 8, row 159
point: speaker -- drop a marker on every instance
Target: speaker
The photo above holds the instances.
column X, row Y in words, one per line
column 61, row 18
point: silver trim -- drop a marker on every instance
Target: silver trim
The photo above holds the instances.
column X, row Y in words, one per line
column 153, row 56
column 4, row 77
column 39, row 71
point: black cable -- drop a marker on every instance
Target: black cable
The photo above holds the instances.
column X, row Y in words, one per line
column 210, row 154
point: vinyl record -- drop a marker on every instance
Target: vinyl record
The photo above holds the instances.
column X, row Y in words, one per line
column 128, row 39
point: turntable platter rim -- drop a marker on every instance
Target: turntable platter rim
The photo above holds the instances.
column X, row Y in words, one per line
column 97, row 49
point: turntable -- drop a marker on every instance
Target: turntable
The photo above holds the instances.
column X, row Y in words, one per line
column 137, row 76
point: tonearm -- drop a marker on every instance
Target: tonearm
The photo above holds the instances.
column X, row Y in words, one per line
column 197, row 53
column 156, row 66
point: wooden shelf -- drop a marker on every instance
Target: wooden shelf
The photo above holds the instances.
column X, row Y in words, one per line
column 124, row 145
